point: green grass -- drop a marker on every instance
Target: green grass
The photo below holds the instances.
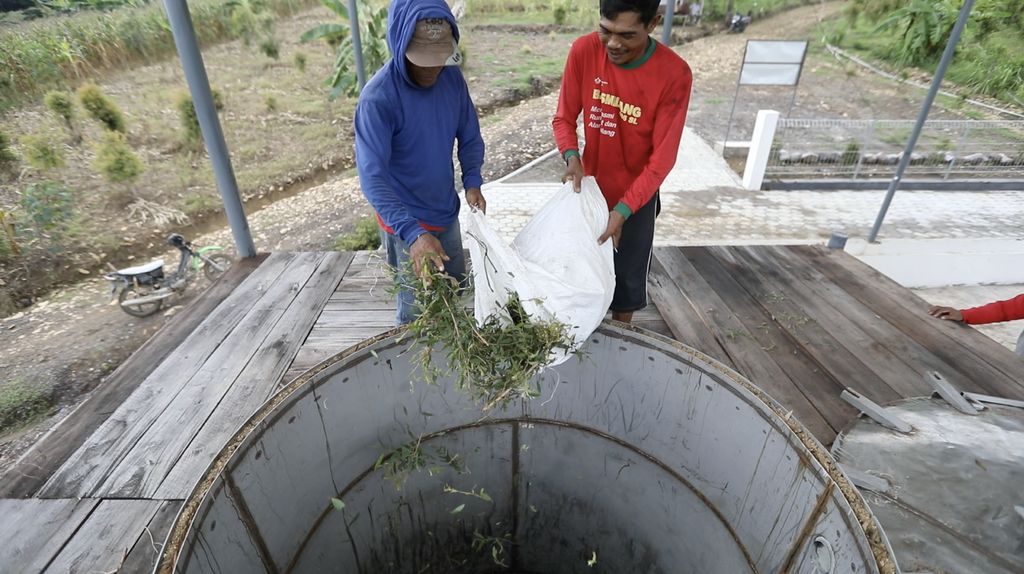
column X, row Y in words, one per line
column 21, row 403
column 57, row 51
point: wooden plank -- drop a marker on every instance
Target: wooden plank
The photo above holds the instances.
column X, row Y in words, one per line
column 106, row 537
column 885, row 335
column 741, row 345
column 824, row 327
column 143, row 556
column 53, row 449
column 339, row 320
column 33, row 531
column 257, row 382
column 159, row 442
column 798, row 323
column 968, row 338
column 85, row 469
column 954, row 344
column 802, row 363
column 687, row 325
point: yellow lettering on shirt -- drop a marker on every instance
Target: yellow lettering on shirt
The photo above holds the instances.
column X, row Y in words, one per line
column 629, row 113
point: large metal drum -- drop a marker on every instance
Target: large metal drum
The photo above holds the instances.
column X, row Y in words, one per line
column 643, row 456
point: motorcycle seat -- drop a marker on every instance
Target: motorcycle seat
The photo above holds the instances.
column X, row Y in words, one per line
column 140, row 269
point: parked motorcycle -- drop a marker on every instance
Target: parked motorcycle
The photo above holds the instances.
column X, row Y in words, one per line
column 142, row 290
column 738, row 23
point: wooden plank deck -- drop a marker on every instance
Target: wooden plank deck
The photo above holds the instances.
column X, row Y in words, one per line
column 801, row 322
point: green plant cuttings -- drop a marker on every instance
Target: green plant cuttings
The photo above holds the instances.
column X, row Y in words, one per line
column 413, row 456
column 493, row 363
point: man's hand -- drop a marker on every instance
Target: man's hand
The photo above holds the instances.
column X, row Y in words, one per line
column 614, row 229
column 475, row 199
column 946, row 313
column 427, row 252
column 574, row 171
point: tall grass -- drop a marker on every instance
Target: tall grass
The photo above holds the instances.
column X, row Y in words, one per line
column 46, row 54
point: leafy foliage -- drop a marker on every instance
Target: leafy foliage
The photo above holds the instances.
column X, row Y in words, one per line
column 366, row 236
column 189, row 118
column 493, row 363
column 116, row 161
column 373, row 34
column 48, row 207
column 41, row 153
column 8, row 159
column 20, row 402
column 413, row 456
column 923, row 27
column 101, row 108
column 63, row 106
column 249, row 19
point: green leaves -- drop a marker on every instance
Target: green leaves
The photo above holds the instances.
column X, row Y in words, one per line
column 337, row 503
column 373, row 34
column 493, row 363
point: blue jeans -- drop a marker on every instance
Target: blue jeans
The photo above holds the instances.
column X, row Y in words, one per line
column 398, row 259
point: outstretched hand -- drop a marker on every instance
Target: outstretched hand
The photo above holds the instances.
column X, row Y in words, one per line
column 426, row 252
column 574, row 171
column 946, row 313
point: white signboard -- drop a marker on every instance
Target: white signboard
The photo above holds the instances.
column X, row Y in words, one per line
column 772, row 62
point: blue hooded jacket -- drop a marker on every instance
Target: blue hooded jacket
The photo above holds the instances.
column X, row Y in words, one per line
column 405, row 134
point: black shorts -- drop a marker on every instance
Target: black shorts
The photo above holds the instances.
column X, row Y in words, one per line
column 633, row 259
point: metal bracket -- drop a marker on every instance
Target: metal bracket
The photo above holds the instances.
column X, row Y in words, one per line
column 949, row 393
column 876, row 412
column 865, row 481
column 994, row 400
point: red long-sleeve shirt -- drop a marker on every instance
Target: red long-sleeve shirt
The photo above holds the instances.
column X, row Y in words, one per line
column 633, row 117
column 995, row 312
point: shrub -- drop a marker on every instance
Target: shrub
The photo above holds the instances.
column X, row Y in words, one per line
column 373, row 31
column 8, row 159
column 271, row 103
column 366, row 236
column 48, row 207
column 115, row 161
column 63, row 106
column 189, row 118
column 271, row 48
column 41, row 153
column 851, row 155
column 21, row 402
column 300, row 62
column 101, row 108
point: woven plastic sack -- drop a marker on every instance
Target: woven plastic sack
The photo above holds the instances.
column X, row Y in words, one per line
column 555, row 264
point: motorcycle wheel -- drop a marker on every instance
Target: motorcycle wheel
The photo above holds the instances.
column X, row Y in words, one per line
column 215, row 264
column 129, row 293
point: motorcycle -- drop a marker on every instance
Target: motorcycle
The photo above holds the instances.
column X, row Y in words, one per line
column 738, row 23
column 142, row 290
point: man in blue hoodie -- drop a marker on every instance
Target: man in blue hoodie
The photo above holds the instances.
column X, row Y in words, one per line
column 407, row 120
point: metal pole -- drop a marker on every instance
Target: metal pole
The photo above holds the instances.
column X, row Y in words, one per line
column 357, row 43
column 666, row 25
column 202, row 99
column 940, row 72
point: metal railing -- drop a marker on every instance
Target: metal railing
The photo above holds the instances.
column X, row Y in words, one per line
column 869, row 149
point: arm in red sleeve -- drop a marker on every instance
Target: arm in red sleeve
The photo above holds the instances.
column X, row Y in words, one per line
column 569, row 103
column 995, row 312
column 668, row 130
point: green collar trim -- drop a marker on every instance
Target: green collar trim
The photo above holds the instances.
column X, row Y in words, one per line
column 651, row 45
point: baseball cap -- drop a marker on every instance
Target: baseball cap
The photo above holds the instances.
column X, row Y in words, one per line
column 433, row 44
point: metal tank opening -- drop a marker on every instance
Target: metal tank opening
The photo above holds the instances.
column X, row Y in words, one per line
column 643, row 456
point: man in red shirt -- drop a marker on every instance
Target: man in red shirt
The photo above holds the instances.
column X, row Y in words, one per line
column 633, row 93
column 995, row 312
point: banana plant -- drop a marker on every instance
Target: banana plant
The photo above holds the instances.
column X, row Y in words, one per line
column 338, row 35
